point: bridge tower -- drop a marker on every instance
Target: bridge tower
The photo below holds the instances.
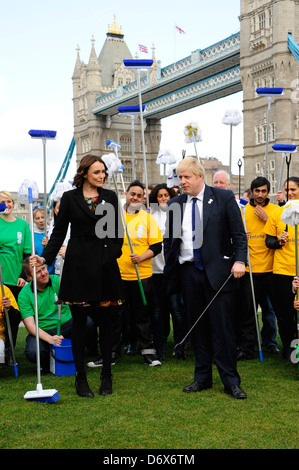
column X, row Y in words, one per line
column 266, row 61
column 104, row 74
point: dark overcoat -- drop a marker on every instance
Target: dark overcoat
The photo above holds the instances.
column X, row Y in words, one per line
column 224, row 238
column 90, row 272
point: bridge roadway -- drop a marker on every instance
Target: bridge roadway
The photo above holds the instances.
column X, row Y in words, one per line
column 204, row 76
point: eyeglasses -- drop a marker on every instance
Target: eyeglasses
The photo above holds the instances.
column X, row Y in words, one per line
column 38, row 207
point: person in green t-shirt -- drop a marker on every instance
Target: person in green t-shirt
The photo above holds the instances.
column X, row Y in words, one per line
column 47, row 295
column 15, row 245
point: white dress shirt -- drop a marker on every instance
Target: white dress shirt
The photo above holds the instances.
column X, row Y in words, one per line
column 186, row 248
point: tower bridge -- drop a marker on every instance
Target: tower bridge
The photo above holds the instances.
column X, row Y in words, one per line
column 204, row 76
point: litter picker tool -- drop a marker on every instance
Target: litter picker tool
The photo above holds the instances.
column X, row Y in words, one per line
column 113, row 164
column 132, row 111
column 141, row 64
column 8, row 327
column 290, row 215
column 270, row 93
column 44, row 135
column 51, row 395
column 243, row 203
column 178, row 345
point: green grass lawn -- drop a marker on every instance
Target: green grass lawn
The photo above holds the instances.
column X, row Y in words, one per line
column 148, row 409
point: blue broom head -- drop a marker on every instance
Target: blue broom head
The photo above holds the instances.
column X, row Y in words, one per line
column 53, row 399
column 3, row 208
column 135, row 109
column 42, row 134
column 138, row 63
column 243, row 202
column 114, row 145
column 264, row 91
column 44, row 396
column 285, row 148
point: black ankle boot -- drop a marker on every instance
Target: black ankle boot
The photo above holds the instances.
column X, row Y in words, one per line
column 106, row 385
column 82, row 386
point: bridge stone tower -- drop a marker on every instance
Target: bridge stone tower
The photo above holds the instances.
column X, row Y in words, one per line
column 104, row 74
column 266, row 61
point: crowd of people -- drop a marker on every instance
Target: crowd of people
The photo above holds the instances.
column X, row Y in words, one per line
column 121, row 276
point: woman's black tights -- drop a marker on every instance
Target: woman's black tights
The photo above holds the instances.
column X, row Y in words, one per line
column 102, row 318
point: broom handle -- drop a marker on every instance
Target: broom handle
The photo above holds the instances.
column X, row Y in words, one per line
column 7, row 321
column 252, row 291
column 34, row 289
column 59, row 305
column 130, row 242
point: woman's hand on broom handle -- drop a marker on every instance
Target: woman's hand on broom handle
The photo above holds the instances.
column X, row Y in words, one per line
column 36, row 261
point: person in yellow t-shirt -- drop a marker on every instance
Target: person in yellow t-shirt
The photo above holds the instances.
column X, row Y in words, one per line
column 7, row 301
column 282, row 240
column 147, row 241
column 261, row 259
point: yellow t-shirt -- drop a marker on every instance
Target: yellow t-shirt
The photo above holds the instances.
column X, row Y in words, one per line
column 284, row 258
column 143, row 231
column 9, row 294
column 261, row 257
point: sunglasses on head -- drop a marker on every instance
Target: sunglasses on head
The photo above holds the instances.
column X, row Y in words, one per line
column 38, row 207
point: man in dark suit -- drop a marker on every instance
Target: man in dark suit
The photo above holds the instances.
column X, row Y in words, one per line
column 204, row 243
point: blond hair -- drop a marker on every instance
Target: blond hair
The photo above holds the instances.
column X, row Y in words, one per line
column 193, row 165
column 6, row 195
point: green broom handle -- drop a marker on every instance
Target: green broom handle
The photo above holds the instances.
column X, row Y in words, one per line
column 130, row 242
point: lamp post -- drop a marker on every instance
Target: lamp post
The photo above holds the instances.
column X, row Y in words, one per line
column 44, row 136
column 140, row 64
column 231, row 118
column 269, row 92
column 239, row 165
column 132, row 111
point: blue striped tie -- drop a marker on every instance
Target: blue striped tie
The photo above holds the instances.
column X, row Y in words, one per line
column 196, row 238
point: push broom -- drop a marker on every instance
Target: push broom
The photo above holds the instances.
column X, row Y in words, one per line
column 243, row 203
column 51, row 395
column 113, row 165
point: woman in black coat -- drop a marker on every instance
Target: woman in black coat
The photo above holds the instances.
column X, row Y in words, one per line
column 90, row 279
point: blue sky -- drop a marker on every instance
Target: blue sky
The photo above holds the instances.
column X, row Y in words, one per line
column 37, row 59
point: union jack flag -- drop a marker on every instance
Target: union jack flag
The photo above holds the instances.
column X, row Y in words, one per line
column 180, row 30
column 143, row 48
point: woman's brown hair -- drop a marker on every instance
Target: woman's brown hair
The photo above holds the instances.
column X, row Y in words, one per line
column 83, row 167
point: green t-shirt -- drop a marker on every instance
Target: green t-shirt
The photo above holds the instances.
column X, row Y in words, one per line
column 47, row 310
column 15, row 240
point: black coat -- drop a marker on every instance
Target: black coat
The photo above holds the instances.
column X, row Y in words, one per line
column 224, row 238
column 90, row 271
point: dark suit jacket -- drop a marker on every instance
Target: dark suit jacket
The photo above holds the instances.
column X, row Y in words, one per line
column 224, row 238
column 90, row 271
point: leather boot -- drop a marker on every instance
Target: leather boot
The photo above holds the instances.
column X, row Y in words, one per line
column 106, row 385
column 82, row 386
